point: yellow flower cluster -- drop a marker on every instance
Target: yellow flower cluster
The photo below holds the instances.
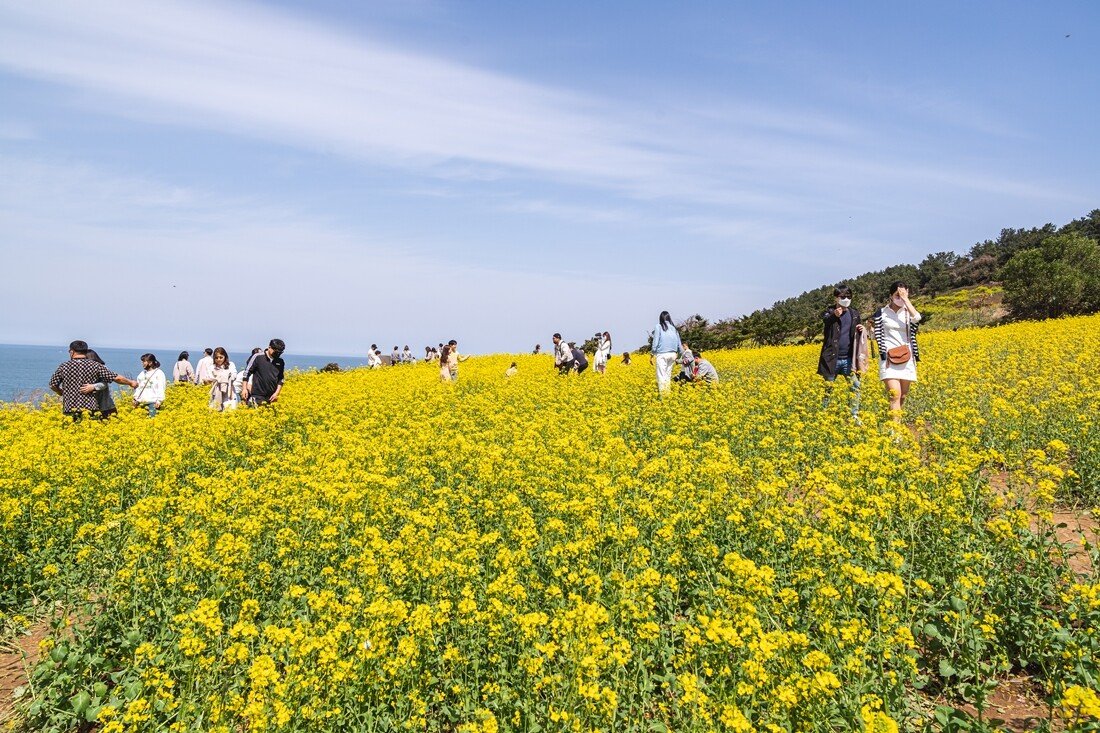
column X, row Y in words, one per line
column 380, row 551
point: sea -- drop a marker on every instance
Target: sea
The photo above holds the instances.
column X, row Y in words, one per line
column 25, row 371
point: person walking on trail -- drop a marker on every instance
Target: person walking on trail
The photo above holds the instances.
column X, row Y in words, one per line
column 204, row 368
column 183, row 372
column 666, row 345
column 151, row 383
column 262, row 382
column 76, row 378
column 844, row 342
column 603, row 352
column 222, row 394
column 563, row 355
column 580, row 359
column 896, row 337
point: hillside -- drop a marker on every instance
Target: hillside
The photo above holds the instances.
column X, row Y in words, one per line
column 1042, row 272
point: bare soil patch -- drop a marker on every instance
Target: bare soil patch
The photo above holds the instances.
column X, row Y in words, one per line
column 1019, row 703
column 17, row 657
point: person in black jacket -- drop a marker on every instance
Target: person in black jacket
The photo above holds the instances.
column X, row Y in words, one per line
column 838, row 351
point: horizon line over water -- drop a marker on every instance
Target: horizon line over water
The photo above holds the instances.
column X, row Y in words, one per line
column 25, row 369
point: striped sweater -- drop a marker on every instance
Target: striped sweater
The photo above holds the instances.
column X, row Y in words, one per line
column 880, row 337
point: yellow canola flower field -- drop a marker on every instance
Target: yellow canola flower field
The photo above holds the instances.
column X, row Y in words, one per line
column 384, row 552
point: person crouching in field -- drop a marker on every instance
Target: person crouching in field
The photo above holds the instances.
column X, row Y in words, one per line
column 580, row 360
column 75, row 381
column 149, row 392
column 702, row 371
column 896, row 337
column 844, row 348
column 563, row 355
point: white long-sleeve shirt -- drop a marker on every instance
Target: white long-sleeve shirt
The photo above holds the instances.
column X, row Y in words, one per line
column 204, row 370
column 151, row 384
column 562, row 353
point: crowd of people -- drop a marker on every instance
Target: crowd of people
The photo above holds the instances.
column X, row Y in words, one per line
column 83, row 381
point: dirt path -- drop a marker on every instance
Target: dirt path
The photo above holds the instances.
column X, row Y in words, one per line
column 17, row 657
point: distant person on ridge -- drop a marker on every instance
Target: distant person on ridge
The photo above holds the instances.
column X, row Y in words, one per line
column 563, row 355
column 896, row 335
column 538, row 349
column 666, row 345
column 374, row 357
column 183, row 372
column 845, row 340
column 204, row 368
column 262, row 381
column 395, row 356
column 72, row 377
column 407, row 356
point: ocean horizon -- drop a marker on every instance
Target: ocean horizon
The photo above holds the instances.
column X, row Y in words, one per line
column 25, row 369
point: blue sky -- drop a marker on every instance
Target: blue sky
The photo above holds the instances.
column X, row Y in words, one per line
column 341, row 174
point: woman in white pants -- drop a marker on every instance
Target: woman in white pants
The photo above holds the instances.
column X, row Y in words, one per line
column 666, row 345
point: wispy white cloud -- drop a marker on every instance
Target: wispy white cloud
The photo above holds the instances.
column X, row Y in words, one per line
column 257, row 71
column 146, row 262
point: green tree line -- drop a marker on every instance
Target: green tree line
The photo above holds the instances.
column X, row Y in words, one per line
column 1045, row 271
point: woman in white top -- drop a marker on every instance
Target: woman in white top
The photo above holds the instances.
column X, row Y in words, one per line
column 149, row 392
column 896, row 335
column 183, row 372
column 222, row 394
column 603, row 352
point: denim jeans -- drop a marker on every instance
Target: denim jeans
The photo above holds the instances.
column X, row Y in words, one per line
column 844, row 368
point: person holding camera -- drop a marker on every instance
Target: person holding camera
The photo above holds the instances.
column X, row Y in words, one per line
column 896, row 337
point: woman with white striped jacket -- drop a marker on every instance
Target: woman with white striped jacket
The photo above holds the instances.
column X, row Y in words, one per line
column 896, row 336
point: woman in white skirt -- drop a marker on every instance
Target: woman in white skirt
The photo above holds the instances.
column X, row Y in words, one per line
column 896, row 334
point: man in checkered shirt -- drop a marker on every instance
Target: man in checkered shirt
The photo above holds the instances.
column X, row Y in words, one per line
column 74, row 381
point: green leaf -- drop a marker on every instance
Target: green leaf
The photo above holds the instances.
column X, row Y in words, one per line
column 946, row 670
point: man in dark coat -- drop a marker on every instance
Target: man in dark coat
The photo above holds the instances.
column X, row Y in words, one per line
column 839, row 349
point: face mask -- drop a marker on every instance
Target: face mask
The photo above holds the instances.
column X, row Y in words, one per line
column 844, row 302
